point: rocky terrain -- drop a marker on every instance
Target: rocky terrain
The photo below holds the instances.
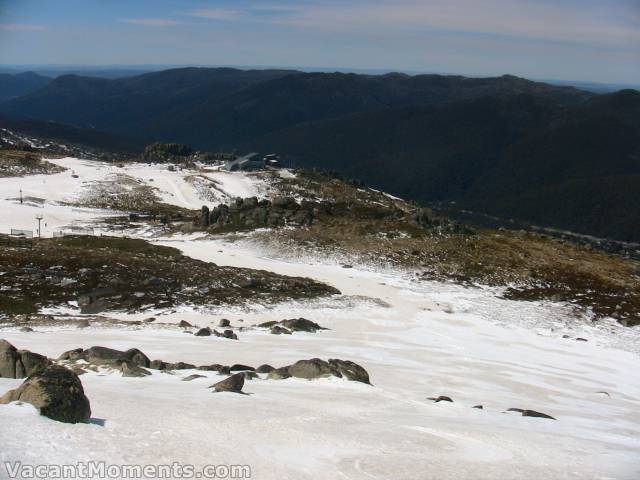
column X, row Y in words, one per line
column 306, row 325
column 103, row 273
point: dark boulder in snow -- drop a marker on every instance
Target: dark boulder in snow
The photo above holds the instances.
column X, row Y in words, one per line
column 530, row 413
column 350, row 370
column 311, row 369
column 110, row 356
column 232, row 384
column 203, row 332
column 301, row 325
column 441, row 398
column 317, row 368
column 57, row 392
column 278, row 330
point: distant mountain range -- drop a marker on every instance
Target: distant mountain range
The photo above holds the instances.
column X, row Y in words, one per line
column 555, row 155
column 17, row 84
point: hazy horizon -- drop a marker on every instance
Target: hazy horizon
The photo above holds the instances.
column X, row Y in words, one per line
column 571, row 40
column 122, row 70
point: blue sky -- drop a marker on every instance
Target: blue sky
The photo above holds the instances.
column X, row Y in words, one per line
column 587, row 40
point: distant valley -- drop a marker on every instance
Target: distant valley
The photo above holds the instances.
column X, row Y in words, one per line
column 506, row 146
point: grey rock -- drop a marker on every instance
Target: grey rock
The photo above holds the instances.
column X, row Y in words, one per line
column 441, row 398
column 57, row 392
column 179, row 366
column 203, row 332
column 278, row 330
column 224, row 323
column 192, row 377
column 530, row 413
column 232, row 384
column 229, row 334
column 108, row 356
column 184, row 324
column 16, row 363
column 311, row 369
column 265, row 368
column 350, row 370
column 301, row 325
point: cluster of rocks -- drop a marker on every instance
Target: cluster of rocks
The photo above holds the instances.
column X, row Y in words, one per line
column 54, row 390
column 317, row 368
column 16, row 363
column 524, row 412
column 207, row 332
column 308, row 369
column 132, row 362
column 292, row 325
column 249, row 213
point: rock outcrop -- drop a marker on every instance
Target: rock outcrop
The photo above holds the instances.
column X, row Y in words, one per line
column 16, row 363
column 249, row 213
column 317, row 368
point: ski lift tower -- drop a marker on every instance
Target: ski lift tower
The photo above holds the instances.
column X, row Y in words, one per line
column 39, row 218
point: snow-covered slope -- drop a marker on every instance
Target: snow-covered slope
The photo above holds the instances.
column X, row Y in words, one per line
column 416, row 340
column 48, row 195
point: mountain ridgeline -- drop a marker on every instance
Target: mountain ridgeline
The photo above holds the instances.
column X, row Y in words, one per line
column 506, row 146
column 14, row 85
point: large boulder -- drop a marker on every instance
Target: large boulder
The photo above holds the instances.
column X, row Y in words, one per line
column 57, row 392
column 16, row 363
column 110, row 356
column 278, row 330
column 350, row 370
column 301, row 325
column 316, row 368
column 313, row 368
column 232, row 384
column 203, row 332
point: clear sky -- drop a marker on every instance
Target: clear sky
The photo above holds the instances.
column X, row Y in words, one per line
column 587, row 40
